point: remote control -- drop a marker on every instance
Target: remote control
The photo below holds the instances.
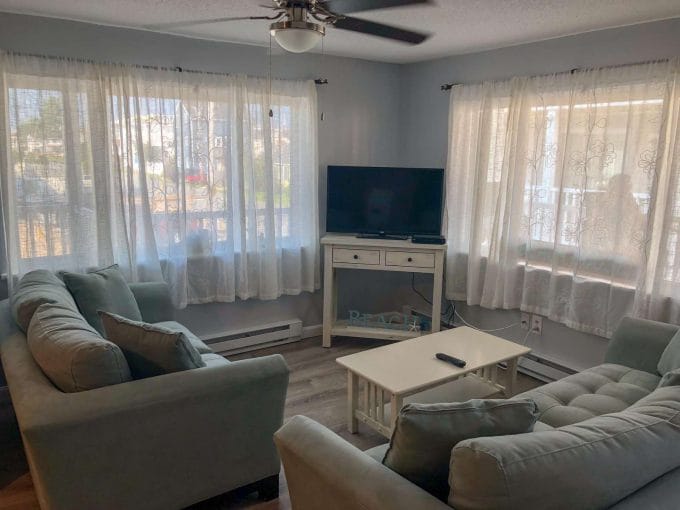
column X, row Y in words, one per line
column 450, row 359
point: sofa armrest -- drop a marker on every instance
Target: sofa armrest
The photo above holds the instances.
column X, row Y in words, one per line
column 325, row 471
column 162, row 442
column 153, row 299
column 639, row 343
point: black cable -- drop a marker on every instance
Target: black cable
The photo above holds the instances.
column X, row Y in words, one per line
column 413, row 286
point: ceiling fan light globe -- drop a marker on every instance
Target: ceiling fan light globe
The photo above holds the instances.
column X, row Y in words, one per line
column 297, row 37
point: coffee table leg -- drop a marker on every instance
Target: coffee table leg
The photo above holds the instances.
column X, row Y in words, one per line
column 511, row 377
column 396, row 403
column 352, row 401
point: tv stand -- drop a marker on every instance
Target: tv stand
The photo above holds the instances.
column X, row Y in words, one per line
column 382, row 235
column 377, row 254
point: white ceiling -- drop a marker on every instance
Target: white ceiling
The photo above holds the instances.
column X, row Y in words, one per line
column 459, row 26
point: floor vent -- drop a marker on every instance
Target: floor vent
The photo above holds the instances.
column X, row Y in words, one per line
column 257, row 337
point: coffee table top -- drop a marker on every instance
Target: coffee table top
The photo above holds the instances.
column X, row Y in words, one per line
column 410, row 366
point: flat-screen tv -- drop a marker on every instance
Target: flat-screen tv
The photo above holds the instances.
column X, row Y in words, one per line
column 385, row 200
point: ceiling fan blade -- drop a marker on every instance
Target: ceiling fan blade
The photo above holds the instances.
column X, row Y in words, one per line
column 176, row 24
column 343, row 6
column 378, row 29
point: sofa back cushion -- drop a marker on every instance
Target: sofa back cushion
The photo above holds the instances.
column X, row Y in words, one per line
column 670, row 359
column 37, row 288
column 592, row 464
column 104, row 289
column 149, row 349
column 421, row 443
column 71, row 353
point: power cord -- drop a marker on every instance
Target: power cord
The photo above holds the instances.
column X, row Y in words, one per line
column 451, row 313
column 487, row 330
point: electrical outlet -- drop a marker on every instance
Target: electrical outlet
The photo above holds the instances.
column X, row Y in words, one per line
column 525, row 321
column 537, row 324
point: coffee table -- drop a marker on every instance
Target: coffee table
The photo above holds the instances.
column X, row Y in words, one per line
column 407, row 369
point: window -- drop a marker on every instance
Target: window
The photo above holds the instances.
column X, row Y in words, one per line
column 563, row 195
column 181, row 176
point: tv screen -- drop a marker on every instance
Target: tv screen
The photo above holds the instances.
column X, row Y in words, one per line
column 372, row 200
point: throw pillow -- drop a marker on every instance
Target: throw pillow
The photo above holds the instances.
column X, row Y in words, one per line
column 151, row 350
column 34, row 289
column 671, row 378
column 71, row 353
column 103, row 289
column 670, row 359
column 425, row 434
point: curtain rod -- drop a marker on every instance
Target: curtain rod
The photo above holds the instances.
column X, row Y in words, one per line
column 449, row 86
column 176, row 69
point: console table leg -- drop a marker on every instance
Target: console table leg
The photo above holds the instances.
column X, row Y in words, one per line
column 437, row 291
column 352, row 401
column 329, row 309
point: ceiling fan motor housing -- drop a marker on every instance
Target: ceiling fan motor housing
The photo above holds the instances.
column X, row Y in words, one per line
column 296, row 34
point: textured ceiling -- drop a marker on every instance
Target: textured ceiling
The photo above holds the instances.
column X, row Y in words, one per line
column 459, row 26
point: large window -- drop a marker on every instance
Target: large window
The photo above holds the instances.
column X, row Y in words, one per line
column 206, row 181
column 563, row 195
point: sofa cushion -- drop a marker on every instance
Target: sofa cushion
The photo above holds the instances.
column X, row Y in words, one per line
column 71, row 353
column 195, row 341
column 600, row 390
column 670, row 359
column 214, row 360
column 34, row 289
column 104, row 289
column 151, row 350
column 671, row 378
column 420, row 447
column 592, row 464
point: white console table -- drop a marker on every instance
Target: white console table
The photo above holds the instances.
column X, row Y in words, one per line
column 349, row 252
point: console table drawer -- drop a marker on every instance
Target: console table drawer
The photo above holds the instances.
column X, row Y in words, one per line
column 409, row 259
column 349, row 256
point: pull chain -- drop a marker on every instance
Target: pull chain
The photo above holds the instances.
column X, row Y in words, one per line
column 323, row 61
column 269, row 77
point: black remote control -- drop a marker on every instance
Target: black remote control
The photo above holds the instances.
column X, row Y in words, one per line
column 450, row 359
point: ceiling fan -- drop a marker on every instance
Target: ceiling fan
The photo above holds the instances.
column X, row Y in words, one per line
column 298, row 25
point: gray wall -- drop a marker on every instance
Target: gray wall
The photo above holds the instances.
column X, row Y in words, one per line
column 360, row 102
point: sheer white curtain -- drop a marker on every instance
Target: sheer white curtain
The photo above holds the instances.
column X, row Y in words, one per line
column 180, row 176
column 563, row 195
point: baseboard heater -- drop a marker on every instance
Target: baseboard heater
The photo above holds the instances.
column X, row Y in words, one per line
column 256, row 337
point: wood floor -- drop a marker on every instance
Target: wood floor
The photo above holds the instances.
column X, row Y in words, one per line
column 317, row 389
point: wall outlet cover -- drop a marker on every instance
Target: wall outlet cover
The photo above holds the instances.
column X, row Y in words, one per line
column 525, row 321
column 537, row 324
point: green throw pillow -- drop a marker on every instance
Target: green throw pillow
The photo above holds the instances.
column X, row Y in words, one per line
column 103, row 289
column 71, row 353
column 670, row 359
column 425, row 434
column 150, row 350
column 34, row 289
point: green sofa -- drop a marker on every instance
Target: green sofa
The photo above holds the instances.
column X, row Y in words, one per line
column 164, row 442
column 607, row 437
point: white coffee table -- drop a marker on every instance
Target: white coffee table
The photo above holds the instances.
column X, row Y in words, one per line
column 407, row 369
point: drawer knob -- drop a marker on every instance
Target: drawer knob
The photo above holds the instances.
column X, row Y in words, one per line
column 410, row 259
column 356, row 257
